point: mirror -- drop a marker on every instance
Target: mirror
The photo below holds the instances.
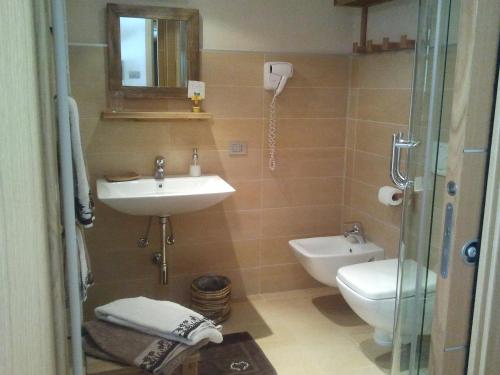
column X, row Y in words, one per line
column 153, row 51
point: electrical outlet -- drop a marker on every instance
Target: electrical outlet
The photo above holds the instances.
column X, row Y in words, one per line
column 237, row 148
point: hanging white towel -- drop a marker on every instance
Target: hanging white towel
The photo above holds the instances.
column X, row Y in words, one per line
column 86, row 276
column 84, row 203
column 160, row 318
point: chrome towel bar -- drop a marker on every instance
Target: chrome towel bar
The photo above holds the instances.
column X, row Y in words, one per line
column 398, row 143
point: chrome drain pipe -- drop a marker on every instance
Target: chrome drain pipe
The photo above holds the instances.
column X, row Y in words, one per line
column 166, row 240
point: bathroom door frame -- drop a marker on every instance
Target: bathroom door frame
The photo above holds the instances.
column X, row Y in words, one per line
column 32, row 293
column 470, row 135
column 482, row 356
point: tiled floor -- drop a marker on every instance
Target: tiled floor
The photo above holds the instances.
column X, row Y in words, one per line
column 306, row 332
column 310, row 331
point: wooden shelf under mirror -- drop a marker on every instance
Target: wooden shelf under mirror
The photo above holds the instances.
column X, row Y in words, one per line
column 359, row 3
column 154, row 116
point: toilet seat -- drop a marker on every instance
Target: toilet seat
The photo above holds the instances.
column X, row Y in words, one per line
column 378, row 280
column 374, row 280
column 370, row 290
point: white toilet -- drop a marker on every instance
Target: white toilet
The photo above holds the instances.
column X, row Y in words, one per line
column 370, row 290
column 323, row 256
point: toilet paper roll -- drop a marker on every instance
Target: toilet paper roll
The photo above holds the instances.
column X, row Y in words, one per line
column 390, row 196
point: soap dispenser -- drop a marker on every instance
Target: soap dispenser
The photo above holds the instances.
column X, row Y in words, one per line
column 195, row 169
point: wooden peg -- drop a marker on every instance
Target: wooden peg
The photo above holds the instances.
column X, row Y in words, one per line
column 371, row 47
column 387, row 45
column 356, row 48
column 403, row 42
column 406, row 43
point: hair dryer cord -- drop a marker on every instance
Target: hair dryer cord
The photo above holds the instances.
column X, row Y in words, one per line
column 272, row 134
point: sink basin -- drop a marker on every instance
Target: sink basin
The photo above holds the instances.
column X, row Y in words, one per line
column 173, row 195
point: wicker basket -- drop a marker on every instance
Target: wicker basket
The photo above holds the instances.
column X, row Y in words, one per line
column 211, row 297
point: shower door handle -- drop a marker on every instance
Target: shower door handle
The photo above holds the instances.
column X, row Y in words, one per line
column 398, row 143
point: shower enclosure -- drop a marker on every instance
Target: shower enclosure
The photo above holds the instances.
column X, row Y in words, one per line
column 424, row 156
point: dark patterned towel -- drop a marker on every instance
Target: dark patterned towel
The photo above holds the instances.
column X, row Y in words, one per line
column 153, row 354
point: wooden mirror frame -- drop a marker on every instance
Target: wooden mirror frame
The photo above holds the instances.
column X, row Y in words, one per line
column 114, row 12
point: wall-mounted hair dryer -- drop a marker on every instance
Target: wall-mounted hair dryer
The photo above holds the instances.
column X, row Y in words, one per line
column 276, row 75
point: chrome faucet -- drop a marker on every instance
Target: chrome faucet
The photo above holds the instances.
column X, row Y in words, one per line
column 160, row 168
column 356, row 232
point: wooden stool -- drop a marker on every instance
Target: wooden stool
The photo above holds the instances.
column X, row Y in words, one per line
column 189, row 367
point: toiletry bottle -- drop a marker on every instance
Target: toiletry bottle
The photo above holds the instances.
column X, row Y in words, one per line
column 195, row 169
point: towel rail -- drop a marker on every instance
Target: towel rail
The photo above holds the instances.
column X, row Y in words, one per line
column 67, row 188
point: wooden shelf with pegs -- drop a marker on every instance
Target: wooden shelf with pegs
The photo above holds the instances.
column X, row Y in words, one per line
column 386, row 45
column 367, row 46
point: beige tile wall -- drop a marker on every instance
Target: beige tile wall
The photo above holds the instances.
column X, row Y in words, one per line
column 379, row 105
column 245, row 237
column 336, row 117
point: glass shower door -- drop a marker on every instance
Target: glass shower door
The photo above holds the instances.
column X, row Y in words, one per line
column 423, row 179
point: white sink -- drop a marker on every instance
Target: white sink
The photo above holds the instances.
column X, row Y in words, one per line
column 173, row 195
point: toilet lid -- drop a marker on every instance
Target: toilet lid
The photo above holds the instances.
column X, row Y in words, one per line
column 378, row 280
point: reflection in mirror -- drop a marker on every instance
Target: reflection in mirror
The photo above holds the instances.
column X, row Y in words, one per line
column 153, row 52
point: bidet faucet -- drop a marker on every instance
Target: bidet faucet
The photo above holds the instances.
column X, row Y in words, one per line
column 356, row 232
column 160, row 168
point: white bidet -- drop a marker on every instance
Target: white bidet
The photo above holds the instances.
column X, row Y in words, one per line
column 323, row 256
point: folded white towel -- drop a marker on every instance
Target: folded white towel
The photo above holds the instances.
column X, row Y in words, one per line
column 160, row 318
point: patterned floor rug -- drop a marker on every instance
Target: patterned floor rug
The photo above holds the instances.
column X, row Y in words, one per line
column 238, row 354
